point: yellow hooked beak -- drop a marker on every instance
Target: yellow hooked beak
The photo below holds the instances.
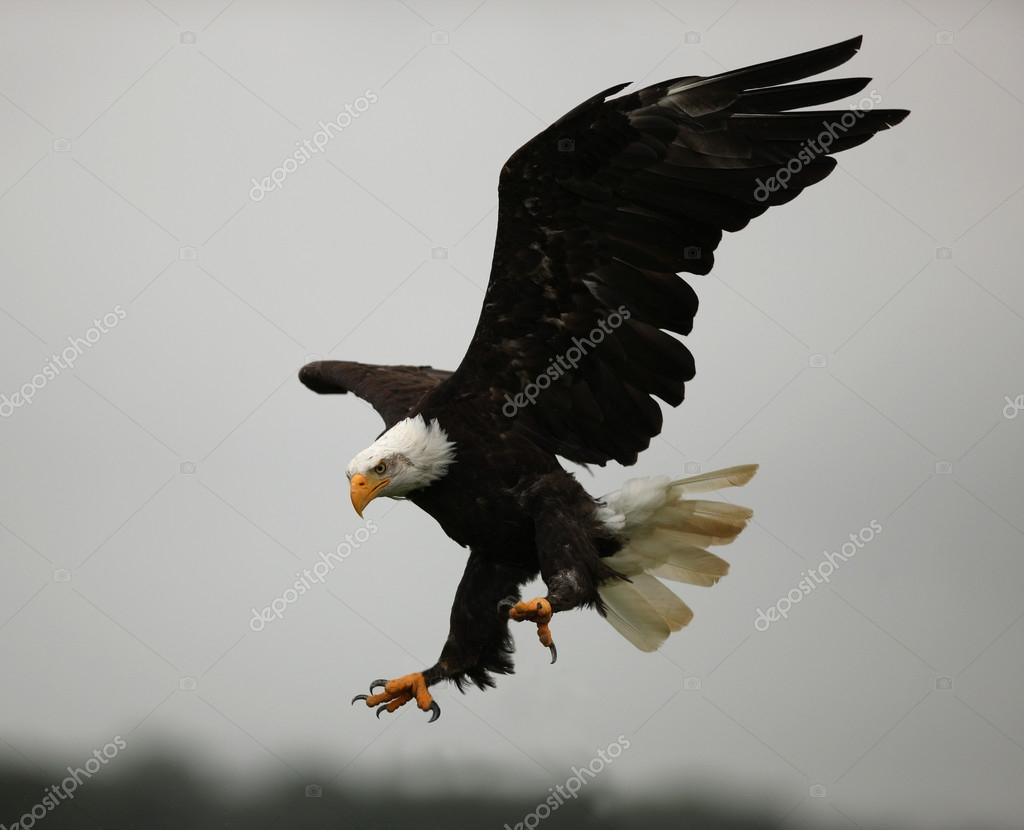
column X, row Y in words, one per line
column 365, row 489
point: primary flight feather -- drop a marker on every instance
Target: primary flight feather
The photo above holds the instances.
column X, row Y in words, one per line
column 597, row 216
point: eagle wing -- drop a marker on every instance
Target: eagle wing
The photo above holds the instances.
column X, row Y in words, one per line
column 599, row 212
column 394, row 391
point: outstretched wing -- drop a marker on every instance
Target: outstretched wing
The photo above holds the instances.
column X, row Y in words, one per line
column 393, row 391
column 599, row 212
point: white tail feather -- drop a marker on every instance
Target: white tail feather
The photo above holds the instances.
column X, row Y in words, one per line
column 673, row 610
column 633, row 616
column 706, row 482
column 666, row 535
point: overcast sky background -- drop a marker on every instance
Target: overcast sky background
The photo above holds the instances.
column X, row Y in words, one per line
column 863, row 344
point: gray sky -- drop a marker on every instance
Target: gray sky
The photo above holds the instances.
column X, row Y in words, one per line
column 862, row 344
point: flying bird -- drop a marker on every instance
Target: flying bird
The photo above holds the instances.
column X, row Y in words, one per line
column 597, row 216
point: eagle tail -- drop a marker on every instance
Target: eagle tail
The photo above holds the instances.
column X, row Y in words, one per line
column 666, row 535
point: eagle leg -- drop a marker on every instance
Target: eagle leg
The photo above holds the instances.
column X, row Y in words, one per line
column 398, row 692
column 537, row 610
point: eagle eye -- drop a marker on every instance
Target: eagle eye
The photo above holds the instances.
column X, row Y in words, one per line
column 381, row 468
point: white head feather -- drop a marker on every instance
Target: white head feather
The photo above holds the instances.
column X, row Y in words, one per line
column 415, row 454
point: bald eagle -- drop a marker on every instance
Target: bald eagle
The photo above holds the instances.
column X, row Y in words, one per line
column 597, row 215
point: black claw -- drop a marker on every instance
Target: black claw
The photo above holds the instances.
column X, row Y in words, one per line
column 554, row 653
column 359, row 697
column 381, row 708
column 376, row 683
column 505, row 607
column 435, row 711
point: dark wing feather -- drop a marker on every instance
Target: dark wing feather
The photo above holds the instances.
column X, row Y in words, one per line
column 603, row 209
column 394, row 391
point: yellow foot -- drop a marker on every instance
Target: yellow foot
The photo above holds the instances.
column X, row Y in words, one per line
column 400, row 691
column 537, row 610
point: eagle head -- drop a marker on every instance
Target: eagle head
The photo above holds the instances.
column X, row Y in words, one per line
column 409, row 456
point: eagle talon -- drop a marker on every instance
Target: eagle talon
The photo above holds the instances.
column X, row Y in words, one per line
column 537, row 610
column 396, row 693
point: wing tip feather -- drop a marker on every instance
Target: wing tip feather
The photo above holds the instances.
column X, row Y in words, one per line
column 314, row 378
